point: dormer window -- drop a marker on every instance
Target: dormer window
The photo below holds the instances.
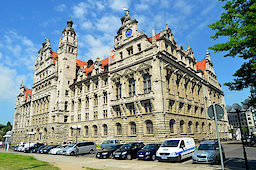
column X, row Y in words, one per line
column 130, row 50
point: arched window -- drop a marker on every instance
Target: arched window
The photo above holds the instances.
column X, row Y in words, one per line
column 105, row 130
column 118, row 129
column 86, row 130
column 203, row 126
column 210, row 128
column 189, row 127
column 197, row 128
column 133, row 128
column 71, row 131
column 52, row 131
column 181, row 126
column 149, row 127
column 95, row 130
column 172, row 122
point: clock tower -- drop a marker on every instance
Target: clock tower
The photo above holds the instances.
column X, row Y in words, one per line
column 127, row 31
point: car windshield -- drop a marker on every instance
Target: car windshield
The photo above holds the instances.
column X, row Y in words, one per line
column 206, row 147
column 170, row 143
column 126, row 146
column 150, row 146
column 107, row 141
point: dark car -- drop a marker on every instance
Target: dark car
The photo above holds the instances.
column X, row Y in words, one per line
column 34, row 146
column 148, row 152
column 36, row 150
column 47, row 148
column 108, row 152
column 128, row 151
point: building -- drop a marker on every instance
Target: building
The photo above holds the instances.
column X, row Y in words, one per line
column 247, row 121
column 148, row 89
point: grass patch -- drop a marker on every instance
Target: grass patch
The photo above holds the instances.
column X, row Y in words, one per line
column 10, row 161
column 88, row 168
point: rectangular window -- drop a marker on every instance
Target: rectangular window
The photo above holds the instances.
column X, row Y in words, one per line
column 79, row 105
column 66, row 106
column 72, row 118
column 66, row 92
column 105, row 97
column 65, row 119
column 118, row 111
column 121, row 55
column 86, row 116
column 72, row 106
column 118, row 90
column 95, row 115
column 95, row 100
column 139, row 47
column 131, row 109
column 105, row 114
column 130, row 50
column 79, row 117
column 131, row 87
column 147, row 83
column 147, row 106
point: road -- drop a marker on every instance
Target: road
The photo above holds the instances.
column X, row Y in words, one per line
column 233, row 152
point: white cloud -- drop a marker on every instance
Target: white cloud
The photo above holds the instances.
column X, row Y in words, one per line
column 86, row 25
column 60, row 8
column 119, row 4
column 183, row 6
column 209, row 7
column 142, row 6
column 108, row 23
column 80, row 10
column 9, row 81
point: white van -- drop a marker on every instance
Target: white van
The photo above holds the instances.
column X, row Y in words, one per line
column 80, row 148
column 176, row 149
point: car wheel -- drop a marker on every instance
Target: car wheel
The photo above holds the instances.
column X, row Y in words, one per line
column 129, row 157
column 91, row 151
column 153, row 157
column 72, row 154
column 179, row 158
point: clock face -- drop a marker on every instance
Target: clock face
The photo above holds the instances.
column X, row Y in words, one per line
column 128, row 33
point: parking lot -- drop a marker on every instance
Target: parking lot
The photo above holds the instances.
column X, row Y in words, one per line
column 233, row 153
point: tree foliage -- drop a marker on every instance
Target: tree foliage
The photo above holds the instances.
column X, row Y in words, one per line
column 238, row 24
column 4, row 129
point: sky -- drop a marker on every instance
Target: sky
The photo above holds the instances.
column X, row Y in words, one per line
column 25, row 25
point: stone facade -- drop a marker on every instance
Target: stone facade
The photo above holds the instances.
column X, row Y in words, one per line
column 148, row 89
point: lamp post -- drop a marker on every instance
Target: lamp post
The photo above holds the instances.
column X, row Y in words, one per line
column 238, row 109
column 76, row 127
column 30, row 133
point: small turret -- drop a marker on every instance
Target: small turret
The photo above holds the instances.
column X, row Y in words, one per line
column 208, row 56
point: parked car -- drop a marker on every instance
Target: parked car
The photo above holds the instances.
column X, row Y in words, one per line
column 208, row 152
column 55, row 150
column 108, row 143
column 148, row 152
column 36, row 150
column 176, row 149
column 128, row 151
column 63, row 151
column 81, row 148
column 32, row 146
column 108, row 152
column 47, row 148
column 20, row 147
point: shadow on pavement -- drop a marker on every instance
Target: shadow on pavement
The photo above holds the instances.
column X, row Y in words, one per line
column 238, row 164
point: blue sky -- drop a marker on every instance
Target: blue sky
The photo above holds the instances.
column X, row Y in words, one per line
column 25, row 24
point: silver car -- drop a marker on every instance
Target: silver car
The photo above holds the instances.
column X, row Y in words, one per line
column 208, row 152
column 80, row 148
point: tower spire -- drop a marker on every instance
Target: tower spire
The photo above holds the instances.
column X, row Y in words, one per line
column 153, row 36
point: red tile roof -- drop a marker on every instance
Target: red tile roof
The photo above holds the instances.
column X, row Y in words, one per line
column 157, row 37
column 81, row 63
column 26, row 92
column 201, row 65
column 54, row 56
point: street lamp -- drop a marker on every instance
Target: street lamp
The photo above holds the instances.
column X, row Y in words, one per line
column 76, row 127
column 238, row 109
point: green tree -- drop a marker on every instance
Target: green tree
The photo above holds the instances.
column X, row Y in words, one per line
column 238, row 24
column 4, row 129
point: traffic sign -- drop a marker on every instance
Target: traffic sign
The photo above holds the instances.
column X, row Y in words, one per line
column 219, row 111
